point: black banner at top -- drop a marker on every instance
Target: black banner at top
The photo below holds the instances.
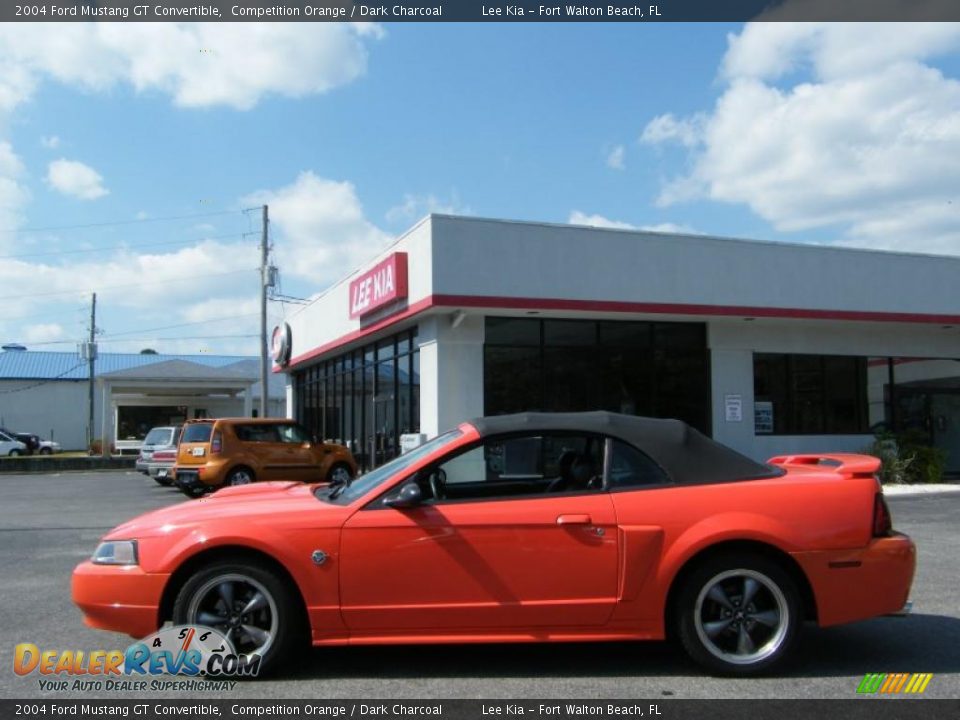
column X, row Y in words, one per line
column 479, row 11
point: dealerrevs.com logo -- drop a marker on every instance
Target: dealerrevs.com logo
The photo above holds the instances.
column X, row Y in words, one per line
column 184, row 650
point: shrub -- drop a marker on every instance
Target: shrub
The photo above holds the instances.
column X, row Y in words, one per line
column 908, row 458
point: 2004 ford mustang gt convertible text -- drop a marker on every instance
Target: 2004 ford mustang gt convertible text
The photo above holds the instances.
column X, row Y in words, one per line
column 520, row 528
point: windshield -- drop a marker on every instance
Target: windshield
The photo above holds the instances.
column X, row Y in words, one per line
column 159, row 436
column 365, row 483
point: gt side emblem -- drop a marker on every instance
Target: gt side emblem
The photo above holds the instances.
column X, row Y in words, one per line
column 319, row 557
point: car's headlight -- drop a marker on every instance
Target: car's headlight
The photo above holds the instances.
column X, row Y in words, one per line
column 116, row 552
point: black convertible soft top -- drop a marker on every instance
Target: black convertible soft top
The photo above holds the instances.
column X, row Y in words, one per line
column 688, row 456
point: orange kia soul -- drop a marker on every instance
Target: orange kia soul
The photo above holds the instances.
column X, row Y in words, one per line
column 238, row 451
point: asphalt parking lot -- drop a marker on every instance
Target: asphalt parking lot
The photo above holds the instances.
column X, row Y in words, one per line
column 48, row 523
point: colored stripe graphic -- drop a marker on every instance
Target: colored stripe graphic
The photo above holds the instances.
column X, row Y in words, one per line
column 894, row 683
column 871, row 682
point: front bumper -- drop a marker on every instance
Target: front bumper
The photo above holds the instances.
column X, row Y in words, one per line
column 122, row 598
column 850, row 585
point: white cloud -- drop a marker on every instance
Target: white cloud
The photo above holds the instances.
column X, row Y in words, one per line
column 45, row 332
column 51, row 142
column 13, row 194
column 666, row 127
column 669, row 227
column 197, row 64
column 580, row 218
column 616, row 158
column 415, row 207
column 322, row 233
column 865, row 142
column 76, row 179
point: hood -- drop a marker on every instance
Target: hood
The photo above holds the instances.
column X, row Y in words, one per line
column 237, row 506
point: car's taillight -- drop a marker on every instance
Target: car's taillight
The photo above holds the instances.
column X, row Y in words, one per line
column 165, row 455
column 216, row 443
column 882, row 522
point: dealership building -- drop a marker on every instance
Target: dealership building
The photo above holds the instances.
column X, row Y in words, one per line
column 768, row 347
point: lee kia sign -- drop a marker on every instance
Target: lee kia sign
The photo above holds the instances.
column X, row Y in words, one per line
column 383, row 284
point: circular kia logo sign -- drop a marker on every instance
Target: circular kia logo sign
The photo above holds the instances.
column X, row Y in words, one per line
column 280, row 344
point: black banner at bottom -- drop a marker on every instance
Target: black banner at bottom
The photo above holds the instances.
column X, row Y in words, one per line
column 856, row 709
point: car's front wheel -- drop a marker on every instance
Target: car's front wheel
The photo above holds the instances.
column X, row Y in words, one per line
column 14, row 453
column 45, row 451
column 250, row 605
column 738, row 615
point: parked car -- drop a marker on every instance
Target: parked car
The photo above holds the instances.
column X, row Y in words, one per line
column 158, row 439
column 48, row 447
column 161, row 464
column 238, row 451
column 531, row 527
column 30, row 441
column 10, row 446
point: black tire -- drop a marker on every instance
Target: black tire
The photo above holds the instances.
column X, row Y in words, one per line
column 339, row 468
column 165, row 481
column 712, row 620
column 280, row 614
column 240, row 476
column 45, row 451
column 14, row 453
column 192, row 492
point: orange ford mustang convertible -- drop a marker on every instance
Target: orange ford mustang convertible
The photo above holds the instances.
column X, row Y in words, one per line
column 521, row 528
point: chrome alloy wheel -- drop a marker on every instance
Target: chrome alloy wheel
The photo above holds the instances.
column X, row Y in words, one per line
column 741, row 616
column 240, row 608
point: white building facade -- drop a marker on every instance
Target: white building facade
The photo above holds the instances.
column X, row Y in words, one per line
column 768, row 347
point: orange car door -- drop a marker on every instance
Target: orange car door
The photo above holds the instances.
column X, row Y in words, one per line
column 533, row 561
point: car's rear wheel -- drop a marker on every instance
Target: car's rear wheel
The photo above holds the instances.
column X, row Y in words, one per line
column 339, row 473
column 738, row 615
column 45, row 451
column 249, row 604
column 193, row 492
column 240, row 476
column 166, row 481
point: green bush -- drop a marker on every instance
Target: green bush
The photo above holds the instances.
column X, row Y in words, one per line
column 908, row 458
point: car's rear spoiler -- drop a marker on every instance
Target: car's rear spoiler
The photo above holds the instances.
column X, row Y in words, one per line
column 846, row 464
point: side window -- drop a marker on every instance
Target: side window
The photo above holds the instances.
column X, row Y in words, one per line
column 537, row 464
column 293, row 434
column 631, row 468
column 256, row 433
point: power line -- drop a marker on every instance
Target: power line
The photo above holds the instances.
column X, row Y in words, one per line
column 129, row 246
column 51, row 228
column 181, row 337
column 174, row 327
column 43, row 382
column 128, row 285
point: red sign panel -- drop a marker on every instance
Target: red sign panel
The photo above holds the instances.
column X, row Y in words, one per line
column 383, row 284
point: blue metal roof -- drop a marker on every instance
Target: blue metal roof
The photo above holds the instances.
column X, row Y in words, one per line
column 34, row 365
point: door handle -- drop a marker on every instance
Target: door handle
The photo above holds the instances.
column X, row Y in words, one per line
column 574, row 520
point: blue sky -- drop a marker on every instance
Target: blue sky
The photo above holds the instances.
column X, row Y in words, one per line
column 839, row 134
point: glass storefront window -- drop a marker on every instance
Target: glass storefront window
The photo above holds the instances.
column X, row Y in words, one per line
column 642, row 368
column 810, row 394
column 364, row 399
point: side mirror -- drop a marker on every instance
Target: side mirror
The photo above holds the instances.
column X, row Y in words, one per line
column 408, row 496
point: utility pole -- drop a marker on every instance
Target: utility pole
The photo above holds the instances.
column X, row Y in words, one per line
column 264, row 280
column 91, row 354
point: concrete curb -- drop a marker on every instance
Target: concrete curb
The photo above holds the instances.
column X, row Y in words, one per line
column 48, row 464
column 908, row 490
